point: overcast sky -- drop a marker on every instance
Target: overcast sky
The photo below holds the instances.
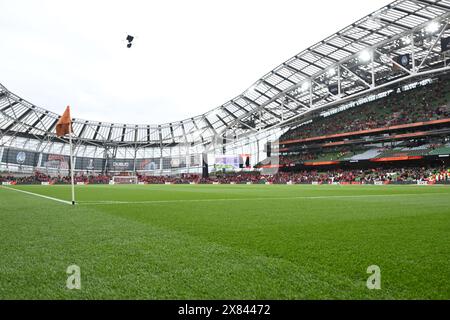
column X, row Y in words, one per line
column 188, row 56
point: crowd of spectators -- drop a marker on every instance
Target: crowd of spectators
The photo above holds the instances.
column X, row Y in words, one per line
column 182, row 179
column 430, row 102
column 39, row 178
column 227, row 178
column 314, row 156
column 345, row 152
column 367, row 176
column 309, row 155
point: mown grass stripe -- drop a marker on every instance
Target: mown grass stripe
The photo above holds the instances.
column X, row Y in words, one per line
column 252, row 199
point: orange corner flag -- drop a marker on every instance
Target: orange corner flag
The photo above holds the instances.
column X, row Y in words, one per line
column 64, row 125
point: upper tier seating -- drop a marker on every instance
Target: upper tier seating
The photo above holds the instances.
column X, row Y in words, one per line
column 431, row 102
column 442, row 150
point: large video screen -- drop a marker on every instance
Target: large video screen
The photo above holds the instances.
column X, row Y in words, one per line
column 227, row 162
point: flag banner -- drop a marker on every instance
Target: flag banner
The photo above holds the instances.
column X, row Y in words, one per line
column 147, row 164
column 55, row 161
column 20, row 157
column 89, row 164
column 64, row 125
column 121, row 164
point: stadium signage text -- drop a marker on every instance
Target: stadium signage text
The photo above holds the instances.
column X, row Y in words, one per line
column 121, row 164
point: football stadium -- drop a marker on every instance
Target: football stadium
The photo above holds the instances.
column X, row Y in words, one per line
column 327, row 178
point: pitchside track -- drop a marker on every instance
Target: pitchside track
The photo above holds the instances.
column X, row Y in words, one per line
column 225, row 241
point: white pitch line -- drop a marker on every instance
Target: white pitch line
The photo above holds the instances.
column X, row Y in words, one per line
column 252, row 199
column 38, row 195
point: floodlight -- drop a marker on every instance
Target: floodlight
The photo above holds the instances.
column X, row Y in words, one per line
column 331, row 72
column 406, row 40
column 305, row 86
column 432, row 27
column 365, row 56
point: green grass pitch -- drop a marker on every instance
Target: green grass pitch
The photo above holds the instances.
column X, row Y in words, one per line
column 226, row 242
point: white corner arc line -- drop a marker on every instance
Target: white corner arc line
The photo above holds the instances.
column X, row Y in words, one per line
column 38, row 195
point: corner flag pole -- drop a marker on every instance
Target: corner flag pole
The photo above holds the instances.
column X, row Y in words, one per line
column 64, row 127
column 71, row 165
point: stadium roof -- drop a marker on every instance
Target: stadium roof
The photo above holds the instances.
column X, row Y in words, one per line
column 357, row 60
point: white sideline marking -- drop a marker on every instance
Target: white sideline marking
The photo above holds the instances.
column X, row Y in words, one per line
column 252, row 199
column 38, row 195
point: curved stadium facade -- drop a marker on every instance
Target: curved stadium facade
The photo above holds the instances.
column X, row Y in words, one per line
column 376, row 93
